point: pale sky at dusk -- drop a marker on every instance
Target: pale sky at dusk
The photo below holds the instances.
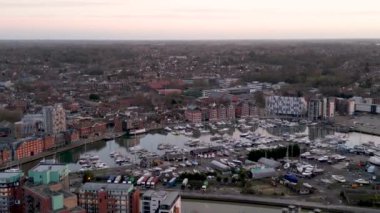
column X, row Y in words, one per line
column 189, row 19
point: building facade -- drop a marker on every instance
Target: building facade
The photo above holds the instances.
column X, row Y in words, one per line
column 222, row 114
column 109, row 197
column 286, row 105
column 54, row 118
column 11, row 191
column 193, row 116
column 213, row 114
column 230, row 112
column 46, row 173
column 242, row 110
column 5, row 153
column 321, row 108
column 29, row 125
column 27, row 147
column 47, row 190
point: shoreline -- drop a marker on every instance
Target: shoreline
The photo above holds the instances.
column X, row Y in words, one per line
column 274, row 202
column 54, row 151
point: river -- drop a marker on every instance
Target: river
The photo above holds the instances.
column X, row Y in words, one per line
column 152, row 140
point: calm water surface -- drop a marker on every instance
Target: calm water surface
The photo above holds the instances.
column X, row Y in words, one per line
column 151, row 141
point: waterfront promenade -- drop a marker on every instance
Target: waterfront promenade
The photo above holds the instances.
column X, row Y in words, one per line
column 248, row 199
column 58, row 150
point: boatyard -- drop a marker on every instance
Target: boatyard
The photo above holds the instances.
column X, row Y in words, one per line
column 217, row 159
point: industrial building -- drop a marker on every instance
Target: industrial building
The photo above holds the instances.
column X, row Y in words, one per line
column 161, row 202
column 260, row 173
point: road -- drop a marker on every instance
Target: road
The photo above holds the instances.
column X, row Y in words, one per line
column 275, row 202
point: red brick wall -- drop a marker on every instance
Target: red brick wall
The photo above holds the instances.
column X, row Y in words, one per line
column 118, row 123
column 74, row 136
column 5, row 155
column 45, row 203
column 99, row 128
column 27, row 148
column 135, row 203
column 49, row 142
column 193, row 116
column 102, row 202
column 84, row 132
column 213, row 116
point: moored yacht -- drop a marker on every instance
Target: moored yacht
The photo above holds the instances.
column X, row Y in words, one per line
column 361, row 181
column 137, row 131
column 339, row 178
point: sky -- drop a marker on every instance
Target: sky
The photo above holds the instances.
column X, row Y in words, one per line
column 189, row 19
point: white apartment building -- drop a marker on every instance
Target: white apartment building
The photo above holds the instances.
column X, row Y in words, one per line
column 161, row 202
column 54, row 119
column 286, row 105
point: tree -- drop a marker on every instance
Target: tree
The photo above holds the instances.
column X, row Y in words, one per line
column 225, row 180
column 9, row 115
column 94, row 97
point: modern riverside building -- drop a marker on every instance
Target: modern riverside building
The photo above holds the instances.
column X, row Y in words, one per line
column 50, row 198
column 54, row 118
column 193, row 114
column 109, row 197
column 27, row 147
column 11, row 191
column 47, row 190
column 46, row 173
column 321, row 108
column 161, row 202
column 285, row 105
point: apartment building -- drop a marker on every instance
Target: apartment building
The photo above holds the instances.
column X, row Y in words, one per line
column 27, row 147
column 161, row 202
column 286, row 105
column 193, row 114
column 54, row 118
column 321, row 108
column 11, row 191
column 109, row 197
column 48, row 190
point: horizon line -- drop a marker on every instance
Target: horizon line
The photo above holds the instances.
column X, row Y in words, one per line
column 180, row 39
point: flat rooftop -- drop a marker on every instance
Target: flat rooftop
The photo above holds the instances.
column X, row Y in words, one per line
column 49, row 167
column 106, row 186
column 166, row 197
column 9, row 176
